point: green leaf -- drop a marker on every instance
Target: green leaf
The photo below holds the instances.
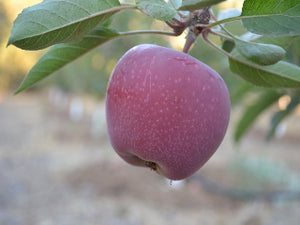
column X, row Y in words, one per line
column 280, row 115
column 237, row 95
column 272, row 17
column 198, row 4
column 263, row 54
column 175, row 3
column 250, row 114
column 282, row 41
column 62, row 54
column 51, row 22
column 157, row 9
column 228, row 45
column 281, row 74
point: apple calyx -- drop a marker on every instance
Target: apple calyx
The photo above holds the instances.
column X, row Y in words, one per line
column 151, row 165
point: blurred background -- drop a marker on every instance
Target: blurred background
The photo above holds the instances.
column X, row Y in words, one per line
column 57, row 166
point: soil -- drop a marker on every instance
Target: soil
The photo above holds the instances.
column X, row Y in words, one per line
column 57, row 167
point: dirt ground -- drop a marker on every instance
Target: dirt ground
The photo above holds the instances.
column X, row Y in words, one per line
column 57, row 167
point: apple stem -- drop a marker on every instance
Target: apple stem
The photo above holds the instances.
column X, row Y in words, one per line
column 190, row 40
column 198, row 21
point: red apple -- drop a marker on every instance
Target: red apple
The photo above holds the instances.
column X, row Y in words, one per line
column 166, row 110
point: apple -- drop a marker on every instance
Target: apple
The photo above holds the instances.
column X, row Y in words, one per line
column 166, row 110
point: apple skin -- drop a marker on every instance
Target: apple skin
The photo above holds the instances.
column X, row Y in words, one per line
column 166, row 110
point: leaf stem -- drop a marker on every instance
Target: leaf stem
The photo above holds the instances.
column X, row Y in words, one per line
column 221, row 34
column 224, row 21
column 205, row 38
column 227, row 31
